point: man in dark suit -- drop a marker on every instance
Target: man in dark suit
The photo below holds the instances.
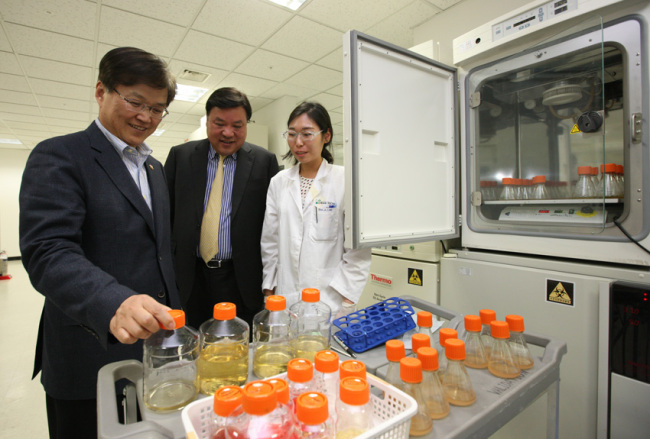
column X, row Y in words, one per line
column 231, row 269
column 96, row 241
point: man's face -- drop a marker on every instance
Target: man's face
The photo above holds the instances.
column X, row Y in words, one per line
column 116, row 114
column 226, row 128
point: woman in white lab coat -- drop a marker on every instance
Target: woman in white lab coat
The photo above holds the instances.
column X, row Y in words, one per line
column 302, row 238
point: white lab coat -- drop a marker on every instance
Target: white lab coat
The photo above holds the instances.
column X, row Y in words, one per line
column 304, row 248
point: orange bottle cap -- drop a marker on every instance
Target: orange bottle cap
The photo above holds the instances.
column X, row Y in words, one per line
column 354, row 391
column 310, row 295
column 455, row 349
column 621, row 169
column 428, row 357
column 507, row 180
column 326, row 361
column 446, row 334
column 281, row 389
column 611, row 167
column 487, row 315
column 499, row 329
column 179, row 318
column 425, row 319
column 420, row 341
column 395, row 350
column 539, row 179
column 276, row 303
column 352, row 368
column 259, row 398
column 227, row 399
column 515, row 323
column 311, row 408
column 410, row 370
column 472, row 323
column 594, row 170
column 584, row 170
column 300, row 370
column 224, row 311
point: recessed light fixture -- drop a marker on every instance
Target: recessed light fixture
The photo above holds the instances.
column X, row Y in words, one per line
column 291, row 4
column 11, row 141
column 157, row 133
column 189, row 93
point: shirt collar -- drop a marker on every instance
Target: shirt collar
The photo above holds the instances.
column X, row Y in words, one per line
column 212, row 154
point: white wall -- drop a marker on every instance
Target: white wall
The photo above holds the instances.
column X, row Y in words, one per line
column 12, row 163
column 275, row 116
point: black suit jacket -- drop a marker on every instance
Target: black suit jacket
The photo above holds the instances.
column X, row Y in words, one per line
column 186, row 171
column 88, row 242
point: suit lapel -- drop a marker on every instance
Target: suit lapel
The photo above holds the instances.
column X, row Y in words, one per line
column 245, row 160
column 199, row 172
column 158, row 189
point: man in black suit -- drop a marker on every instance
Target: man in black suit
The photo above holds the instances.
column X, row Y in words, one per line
column 96, row 241
column 231, row 269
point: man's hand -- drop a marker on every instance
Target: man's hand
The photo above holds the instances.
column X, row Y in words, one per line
column 138, row 317
column 268, row 293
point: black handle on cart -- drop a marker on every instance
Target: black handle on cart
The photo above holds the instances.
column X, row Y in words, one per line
column 108, row 426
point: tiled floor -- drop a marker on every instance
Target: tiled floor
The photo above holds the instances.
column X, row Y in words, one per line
column 22, row 400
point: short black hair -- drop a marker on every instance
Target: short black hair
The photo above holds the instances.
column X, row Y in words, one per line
column 321, row 117
column 229, row 97
column 131, row 66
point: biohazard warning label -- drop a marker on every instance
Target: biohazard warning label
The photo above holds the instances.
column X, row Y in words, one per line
column 559, row 292
column 415, row 276
column 575, row 129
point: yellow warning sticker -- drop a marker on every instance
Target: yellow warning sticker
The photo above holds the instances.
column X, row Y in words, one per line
column 559, row 292
column 415, row 276
column 575, row 129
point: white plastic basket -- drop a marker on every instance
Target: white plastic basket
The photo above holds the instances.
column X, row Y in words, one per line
column 392, row 413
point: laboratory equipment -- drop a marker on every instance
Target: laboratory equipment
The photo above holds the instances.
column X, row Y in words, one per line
column 502, row 362
column 517, row 341
column 432, row 391
column 411, row 384
column 272, row 338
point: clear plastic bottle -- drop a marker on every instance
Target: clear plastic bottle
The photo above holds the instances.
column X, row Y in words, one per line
column 395, row 351
column 352, row 368
column 411, row 377
column 502, row 362
column 354, row 408
column 419, row 341
column 595, row 182
column 475, row 355
column 312, row 324
column 620, row 178
column 326, row 377
column 313, row 416
column 455, row 380
column 425, row 322
column 169, row 366
column 487, row 316
column 223, row 359
column 260, row 416
column 300, row 375
column 281, row 390
column 434, row 396
column 584, row 187
column 226, row 400
column 444, row 334
column 518, row 343
column 610, row 185
column 509, row 191
column 539, row 191
column 520, row 185
column 272, row 338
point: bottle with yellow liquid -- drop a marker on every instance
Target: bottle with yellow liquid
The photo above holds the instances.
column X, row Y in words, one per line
column 311, row 325
column 475, row 354
column 224, row 350
column 354, row 408
column 273, row 337
column 502, row 363
column 434, row 396
column 518, row 343
column 455, row 380
column 411, row 376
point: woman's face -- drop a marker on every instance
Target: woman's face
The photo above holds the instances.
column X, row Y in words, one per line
column 305, row 140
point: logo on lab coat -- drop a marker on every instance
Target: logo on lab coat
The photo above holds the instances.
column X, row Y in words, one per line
column 415, row 276
column 559, row 292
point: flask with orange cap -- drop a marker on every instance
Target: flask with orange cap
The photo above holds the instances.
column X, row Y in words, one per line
column 226, row 400
column 411, row 377
column 502, row 362
column 354, row 408
column 455, row 380
column 312, row 324
column 475, row 355
column 434, row 396
column 272, row 338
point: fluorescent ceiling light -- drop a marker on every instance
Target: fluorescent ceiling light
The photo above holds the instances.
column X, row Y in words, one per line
column 11, row 141
column 291, row 4
column 189, row 93
column 157, row 133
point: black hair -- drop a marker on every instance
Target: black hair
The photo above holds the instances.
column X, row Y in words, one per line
column 229, row 97
column 131, row 66
column 321, row 117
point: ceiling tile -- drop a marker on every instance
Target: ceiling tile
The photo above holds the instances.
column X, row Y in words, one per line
column 65, row 124
column 257, row 103
column 4, row 41
column 327, row 100
column 64, row 104
column 33, row 126
column 247, row 84
column 13, row 82
column 9, row 64
column 269, row 65
column 12, row 146
column 177, row 12
column 49, row 45
column 345, row 14
column 204, row 49
column 33, row 118
column 65, row 114
column 68, row 17
column 216, row 75
column 336, row 90
column 398, row 28
column 123, row 29
column 16, row 97
column 443, row 4
column 18, row 108
column 51, row 88
column 250, row 22
column 316, row 77
column 333, row 61
column 305, row 39
column 285, row 89
column 57, row 71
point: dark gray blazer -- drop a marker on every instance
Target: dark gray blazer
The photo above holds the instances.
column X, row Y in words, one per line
column 88, row 242
column 186, row 171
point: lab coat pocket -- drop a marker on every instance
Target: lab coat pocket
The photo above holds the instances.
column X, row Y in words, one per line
column 325, row 225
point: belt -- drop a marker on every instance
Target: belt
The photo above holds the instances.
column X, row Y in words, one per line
column 218, row 263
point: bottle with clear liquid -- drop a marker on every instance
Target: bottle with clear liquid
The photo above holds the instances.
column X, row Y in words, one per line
column 313, row 416
column 326, row 377
column 419, row 341
column 487, row 316
column 395, row 351
column 620, row 178
column 354, row 408
column 475, row 355
column 432, row 391
column 352, row 368
column 312, row 324
column 424, row 320
column 411, row 377
column 169, row 366
column 272, row 338
column 509, row 191
column 260, row 416
column 226, row 400
column 518, row 343
column 502, row 362
column 223, row 359
column 455, row 380
column 584, row 187
column 444, row 334
column 539, row 191
column 300, row 375
column 610, row 184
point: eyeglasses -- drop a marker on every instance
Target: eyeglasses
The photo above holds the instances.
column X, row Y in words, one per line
column 139, row 107
column 306, row 136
